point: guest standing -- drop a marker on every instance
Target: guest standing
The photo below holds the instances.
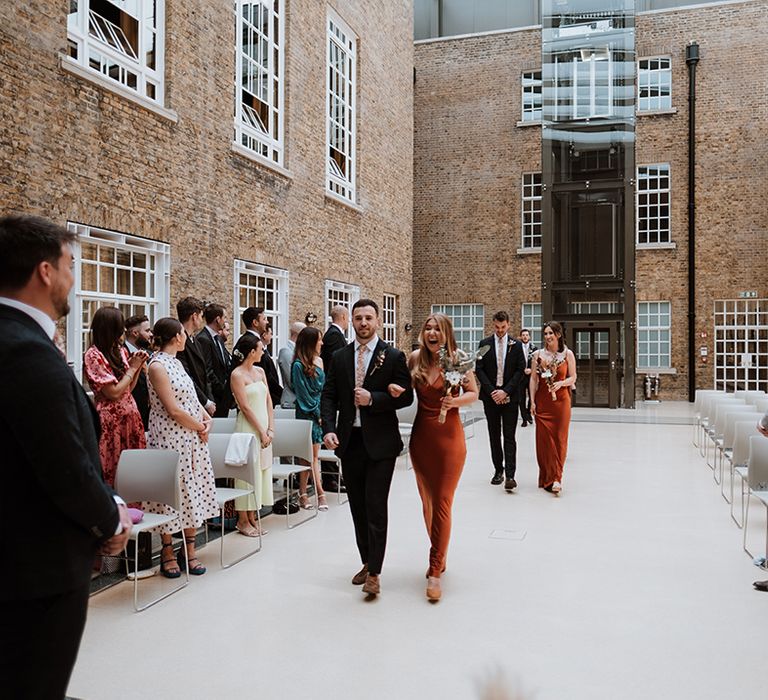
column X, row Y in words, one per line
column 308, row 377
column 112, row 376
column 525, row 398
column 49, row 432
column 256, row 416
column 500, row 373
column 438, row 450
column 178, row 421
column 190, row 313
column 216, row 358
column 285, row 362
column 268, row 365
column 552, row 414
column 138, row 336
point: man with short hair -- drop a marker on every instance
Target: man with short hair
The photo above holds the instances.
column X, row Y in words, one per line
column 190, row 314
column 366, row 434
column 216, row 358
column 525, row 397
column 500, row 373
column 49, row 432
column 254, row 320
column 284, row 363
column 138, row 336
column 268, row 365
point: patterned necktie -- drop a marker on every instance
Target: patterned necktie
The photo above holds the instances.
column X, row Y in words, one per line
column 500, row 362
column 360, row 366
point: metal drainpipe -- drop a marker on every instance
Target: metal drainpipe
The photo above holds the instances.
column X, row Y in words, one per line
column 691, row 59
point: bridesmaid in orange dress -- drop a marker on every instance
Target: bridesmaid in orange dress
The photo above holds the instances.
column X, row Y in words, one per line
column 553, row 416
column 438, row 450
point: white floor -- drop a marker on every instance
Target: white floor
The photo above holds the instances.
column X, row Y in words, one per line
column 632, row 585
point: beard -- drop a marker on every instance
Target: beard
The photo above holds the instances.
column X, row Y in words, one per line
column 61, row 306
column 141, row 343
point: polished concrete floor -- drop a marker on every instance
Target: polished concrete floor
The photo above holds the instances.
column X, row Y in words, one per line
column 631, row 585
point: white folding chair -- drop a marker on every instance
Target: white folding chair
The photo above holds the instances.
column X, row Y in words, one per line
column 743, row 433
column 726, row 446
column 755, row 397
column 153, row 476
column 717, row 404
column 406, row 417
column 221, row 426
column 724, row 411
column 293, row 438
column 330, row 456
column 757, row 484
column 698, row 408
column 284, row 413
column 217, row 444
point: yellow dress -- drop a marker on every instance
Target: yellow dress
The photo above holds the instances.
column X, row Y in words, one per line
column 257, row 400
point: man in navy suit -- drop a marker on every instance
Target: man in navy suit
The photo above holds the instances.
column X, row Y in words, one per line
column 501, row 373
column 360, row 423
column 49, row 432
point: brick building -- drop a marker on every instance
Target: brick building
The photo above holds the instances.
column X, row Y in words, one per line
column 287, row 187
column 478, row 195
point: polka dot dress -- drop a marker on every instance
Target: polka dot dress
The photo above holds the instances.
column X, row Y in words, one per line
column 198, row 489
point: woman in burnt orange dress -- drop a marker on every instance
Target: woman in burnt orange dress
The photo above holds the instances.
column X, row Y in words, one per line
column 554, row 372
column 437, row 449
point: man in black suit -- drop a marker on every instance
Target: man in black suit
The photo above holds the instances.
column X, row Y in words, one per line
column 270, row 369
column 366, row 434
column 138, row 336
column 255, row 321
column 500, row 373
column 216, row 358
column 190, row 313
column 525, row 397
column 49, row 436
column 335, row 339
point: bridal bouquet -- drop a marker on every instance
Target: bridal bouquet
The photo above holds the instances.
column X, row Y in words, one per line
column 455, row 369
column 548, row 372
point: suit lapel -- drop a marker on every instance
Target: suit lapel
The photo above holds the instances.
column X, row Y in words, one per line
column 349, row 361
column 372, row 363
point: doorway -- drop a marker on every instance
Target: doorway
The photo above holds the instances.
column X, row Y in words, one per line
column 596, row 362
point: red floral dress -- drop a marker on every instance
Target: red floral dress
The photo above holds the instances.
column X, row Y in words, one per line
column 121, row 426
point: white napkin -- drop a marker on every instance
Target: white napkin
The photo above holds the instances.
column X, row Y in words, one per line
column 238, row 448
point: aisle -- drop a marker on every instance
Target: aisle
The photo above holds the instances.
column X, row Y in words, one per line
column 630, row 586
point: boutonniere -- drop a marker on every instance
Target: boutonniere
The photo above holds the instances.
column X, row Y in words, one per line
column 510, row 343
column 378, row 361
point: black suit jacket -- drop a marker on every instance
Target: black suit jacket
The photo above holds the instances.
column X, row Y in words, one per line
column 193, row 361
column 49, row 433
column 333, row 341
column 216, row 369
column 140, row 394
column 514, row 368
column 273, row 382
column 381, row 433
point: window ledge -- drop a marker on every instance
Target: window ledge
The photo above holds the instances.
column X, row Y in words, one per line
column 655, row 112
column 656, row 370
column 69, row 65
column 529, row 251
column 536, row 122
column 656, row 246
column 260, row 160
column 332, row 196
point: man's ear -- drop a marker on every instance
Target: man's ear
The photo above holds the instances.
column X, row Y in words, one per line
column 44, row 273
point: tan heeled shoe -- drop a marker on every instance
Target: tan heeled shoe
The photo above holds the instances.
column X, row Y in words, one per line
column 433, row 589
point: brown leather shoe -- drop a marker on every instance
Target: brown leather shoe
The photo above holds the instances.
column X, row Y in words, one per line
column 359, row 578
column 372, row 585
column 433, row 589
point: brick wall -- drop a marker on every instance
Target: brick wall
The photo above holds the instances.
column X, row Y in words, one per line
column 76, row 152
column 470, row 156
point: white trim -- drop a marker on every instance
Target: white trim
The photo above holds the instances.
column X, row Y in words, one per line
column 260, row 160
column 281, row 310
column 659, row 328
column 338, row 199
column 530, row 123
column 656, row 246
column 529, row 251
column 70, row 65
column 472, row 35
column 697, row 6
column 655, row 112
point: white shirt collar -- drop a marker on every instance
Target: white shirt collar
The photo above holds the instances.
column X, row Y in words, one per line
column 131, row 347
column 339, row 327
column 212, row 332
column 43, row 319
column 370, row 344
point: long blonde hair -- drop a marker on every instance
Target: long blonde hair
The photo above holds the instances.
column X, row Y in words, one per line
column 420, row 370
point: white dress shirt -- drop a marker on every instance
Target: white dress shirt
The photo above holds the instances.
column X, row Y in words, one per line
column 370, row 346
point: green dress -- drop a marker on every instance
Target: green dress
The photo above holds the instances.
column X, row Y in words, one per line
column 308, row 391
column 257, row 400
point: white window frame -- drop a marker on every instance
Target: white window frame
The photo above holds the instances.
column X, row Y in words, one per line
column 651, row 336
column 652, row 77
column 344, row 294
column 156, row 305
column 342, row 41
column 266, row 142
column 528, row 84
column 531, row 205
column 277, row 313
column 389, row 319
column 100, row 41
column 530, row 318
column 644, row 205
column 468, row 323
column 741, row 344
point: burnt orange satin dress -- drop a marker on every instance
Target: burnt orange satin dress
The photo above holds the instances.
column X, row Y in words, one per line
column 553, row 419
column 438, row 451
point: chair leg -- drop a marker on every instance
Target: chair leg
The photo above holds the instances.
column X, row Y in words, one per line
column 746, row 522
column 184, row 584
column 288, row 504
column 247, row 554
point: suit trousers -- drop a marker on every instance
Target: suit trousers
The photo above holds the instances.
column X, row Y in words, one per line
column 367, row 481
column 525, row 402
column 502, row 418
column 39, row 640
